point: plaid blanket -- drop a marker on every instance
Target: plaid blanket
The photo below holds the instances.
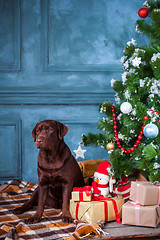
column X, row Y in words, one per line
column 15, row 193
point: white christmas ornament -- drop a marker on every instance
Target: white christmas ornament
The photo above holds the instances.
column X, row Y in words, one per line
column 79, row 152
column 126, row 107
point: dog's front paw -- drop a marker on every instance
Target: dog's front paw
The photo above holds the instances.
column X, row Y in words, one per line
column 33, row 219
column 18, row 210
column 67, row 219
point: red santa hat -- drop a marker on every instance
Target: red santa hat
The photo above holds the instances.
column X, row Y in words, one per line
column 102, row 170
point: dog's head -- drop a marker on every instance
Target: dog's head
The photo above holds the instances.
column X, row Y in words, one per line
column 48, row 132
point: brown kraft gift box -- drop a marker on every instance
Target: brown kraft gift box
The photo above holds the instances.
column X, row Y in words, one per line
column 89, row 167
column 94, row 211
column 134, row 214
column 145, row 193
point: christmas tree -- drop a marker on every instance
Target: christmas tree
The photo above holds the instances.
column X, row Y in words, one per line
column 131, row 125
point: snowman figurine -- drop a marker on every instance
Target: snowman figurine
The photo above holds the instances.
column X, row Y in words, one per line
column 103, row 180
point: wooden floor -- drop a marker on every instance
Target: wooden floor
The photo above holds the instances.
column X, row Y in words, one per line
column 127, row 232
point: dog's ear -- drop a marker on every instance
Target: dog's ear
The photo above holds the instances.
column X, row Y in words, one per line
column 62, row 130
column 34, row 131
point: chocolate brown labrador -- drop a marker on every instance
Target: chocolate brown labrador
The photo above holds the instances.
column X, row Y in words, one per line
column 58, row 171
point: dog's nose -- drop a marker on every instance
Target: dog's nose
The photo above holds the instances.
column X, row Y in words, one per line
column 39, row 140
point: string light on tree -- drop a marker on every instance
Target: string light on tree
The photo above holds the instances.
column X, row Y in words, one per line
column 104, row 110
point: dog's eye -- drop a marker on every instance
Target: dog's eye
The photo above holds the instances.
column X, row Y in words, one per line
column 37, row 131
column 50, row 130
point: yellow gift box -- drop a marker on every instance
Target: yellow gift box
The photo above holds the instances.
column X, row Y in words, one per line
column 97, row 211
column 82, row 194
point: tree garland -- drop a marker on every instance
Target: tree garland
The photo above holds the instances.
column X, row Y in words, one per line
column 116, row 135
column 139, row 137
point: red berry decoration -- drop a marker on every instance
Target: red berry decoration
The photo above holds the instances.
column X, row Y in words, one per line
column 159, row 120
column 143, row 127
column 145, row 118
column 157, row 112
column 139, row 137
column 143, row 12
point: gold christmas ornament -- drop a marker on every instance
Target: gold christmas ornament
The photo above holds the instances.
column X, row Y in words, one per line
column 110, row 146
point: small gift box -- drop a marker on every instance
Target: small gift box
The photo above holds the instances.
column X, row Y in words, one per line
column 135, row 214
column 94, row 211
column 82, row 194
column 145, row 193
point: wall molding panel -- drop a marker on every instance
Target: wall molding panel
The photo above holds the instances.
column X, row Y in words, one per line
column 51, row 97
column 11, row 38
column 11, row 153
column 51, row 65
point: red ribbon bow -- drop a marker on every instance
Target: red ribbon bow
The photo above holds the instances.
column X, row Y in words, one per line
column 86, row 189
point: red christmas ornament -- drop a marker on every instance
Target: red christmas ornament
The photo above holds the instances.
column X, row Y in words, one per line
column 143, row 12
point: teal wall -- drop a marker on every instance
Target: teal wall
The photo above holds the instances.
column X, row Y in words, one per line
column 57, row 58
